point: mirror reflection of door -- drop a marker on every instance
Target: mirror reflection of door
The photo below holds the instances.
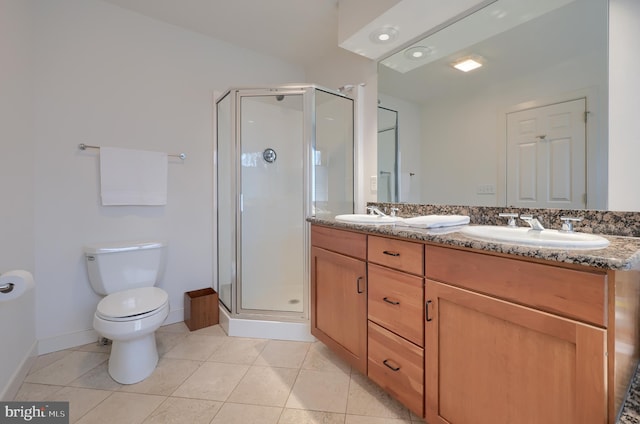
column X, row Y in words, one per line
column 387, row 155
column 546, row 156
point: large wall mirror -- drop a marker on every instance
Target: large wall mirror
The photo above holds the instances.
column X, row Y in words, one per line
column 528, row 128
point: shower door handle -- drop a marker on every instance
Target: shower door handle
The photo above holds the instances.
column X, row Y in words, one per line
column 358, row 285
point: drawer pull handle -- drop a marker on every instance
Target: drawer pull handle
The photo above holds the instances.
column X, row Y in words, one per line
column 393, row 302
column 391, row 367
column 358, row 285
column 390, row 253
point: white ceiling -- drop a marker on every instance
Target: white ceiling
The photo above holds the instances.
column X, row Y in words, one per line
column 298, row 31
column 304, row 32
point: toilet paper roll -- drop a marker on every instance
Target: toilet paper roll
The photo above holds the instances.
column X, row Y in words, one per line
column 14, row 284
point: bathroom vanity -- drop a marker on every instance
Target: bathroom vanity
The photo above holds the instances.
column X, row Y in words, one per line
column 463, row 332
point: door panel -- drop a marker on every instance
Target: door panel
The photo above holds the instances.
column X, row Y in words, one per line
column 272, row 206
column 546, row 156
column 510, row 364
column 339, row 299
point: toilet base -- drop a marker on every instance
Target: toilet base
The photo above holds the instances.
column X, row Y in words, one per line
column 131, row 361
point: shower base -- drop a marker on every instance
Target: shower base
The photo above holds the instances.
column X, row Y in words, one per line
column 264, row 329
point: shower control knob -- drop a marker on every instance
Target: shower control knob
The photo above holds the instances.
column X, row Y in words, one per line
column 269, row 155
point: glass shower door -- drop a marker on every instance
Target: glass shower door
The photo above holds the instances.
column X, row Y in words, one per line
column 272, row 216
column 387, row 155
column 332, row 186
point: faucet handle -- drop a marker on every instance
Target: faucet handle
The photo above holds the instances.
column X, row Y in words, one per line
column 568, row 221
column 370, row 209
column 512, row 218
column 394, row 211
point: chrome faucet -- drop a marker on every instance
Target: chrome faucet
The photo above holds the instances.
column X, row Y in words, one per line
column 373, row 210
column 533, row 222
column 512, row 219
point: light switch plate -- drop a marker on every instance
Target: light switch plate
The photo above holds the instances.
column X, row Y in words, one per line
column 486, row 189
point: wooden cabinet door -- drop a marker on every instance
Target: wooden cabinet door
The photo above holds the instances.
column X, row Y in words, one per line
column 339, row 305
column 489, row 361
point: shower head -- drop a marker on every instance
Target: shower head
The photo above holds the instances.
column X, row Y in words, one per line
column 280, row 97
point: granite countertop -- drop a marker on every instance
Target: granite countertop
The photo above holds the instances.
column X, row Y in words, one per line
column 623, row 253
column 630, row 413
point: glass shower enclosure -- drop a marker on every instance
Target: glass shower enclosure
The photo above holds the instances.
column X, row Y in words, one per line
column 282, row 154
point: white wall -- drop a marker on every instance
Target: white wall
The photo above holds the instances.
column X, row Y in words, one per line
column 17, row 318
column 16, row 158
column 624, row 105
column 109, row 77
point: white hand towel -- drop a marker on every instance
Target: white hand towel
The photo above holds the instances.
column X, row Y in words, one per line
column 132, row 177
column 435, row 221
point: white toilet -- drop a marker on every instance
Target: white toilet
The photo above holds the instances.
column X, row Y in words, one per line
column 133, row 308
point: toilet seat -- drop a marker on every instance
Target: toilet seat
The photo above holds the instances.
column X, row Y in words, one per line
column 133, row 304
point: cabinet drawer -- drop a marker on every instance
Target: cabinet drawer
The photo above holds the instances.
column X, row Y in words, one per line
column 397, row 366
column 395, row 301
column 340, row 241
column 403, row 255
column 566, row 292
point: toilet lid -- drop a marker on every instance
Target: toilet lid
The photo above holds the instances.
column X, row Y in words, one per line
column 132, row 302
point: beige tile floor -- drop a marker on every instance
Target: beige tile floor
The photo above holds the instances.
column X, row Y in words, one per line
column 207, row 377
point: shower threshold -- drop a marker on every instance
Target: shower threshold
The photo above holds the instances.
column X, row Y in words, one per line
column 239, row 326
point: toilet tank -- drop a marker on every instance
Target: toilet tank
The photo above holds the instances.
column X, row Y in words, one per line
column 115, row 267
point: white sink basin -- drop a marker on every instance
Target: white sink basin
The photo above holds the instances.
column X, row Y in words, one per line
column 360, row 218
column 528, row 237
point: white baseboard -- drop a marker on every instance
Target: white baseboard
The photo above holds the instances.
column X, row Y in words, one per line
column 174, row 316
column 10, row 391
column 66, row 341
column 79, row 338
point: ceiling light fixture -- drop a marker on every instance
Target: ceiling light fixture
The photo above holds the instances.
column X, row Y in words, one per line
column 384, row 35
column 467, row 64
column 417, row 52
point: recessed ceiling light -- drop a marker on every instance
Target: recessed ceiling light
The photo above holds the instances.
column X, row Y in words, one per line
column 417, row 52
column 467, row 64
column 384, row 35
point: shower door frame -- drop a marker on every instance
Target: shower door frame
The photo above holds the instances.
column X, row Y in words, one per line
column 308, row 131
column 395, row 195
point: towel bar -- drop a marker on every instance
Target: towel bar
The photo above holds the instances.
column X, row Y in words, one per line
column 83, row 146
